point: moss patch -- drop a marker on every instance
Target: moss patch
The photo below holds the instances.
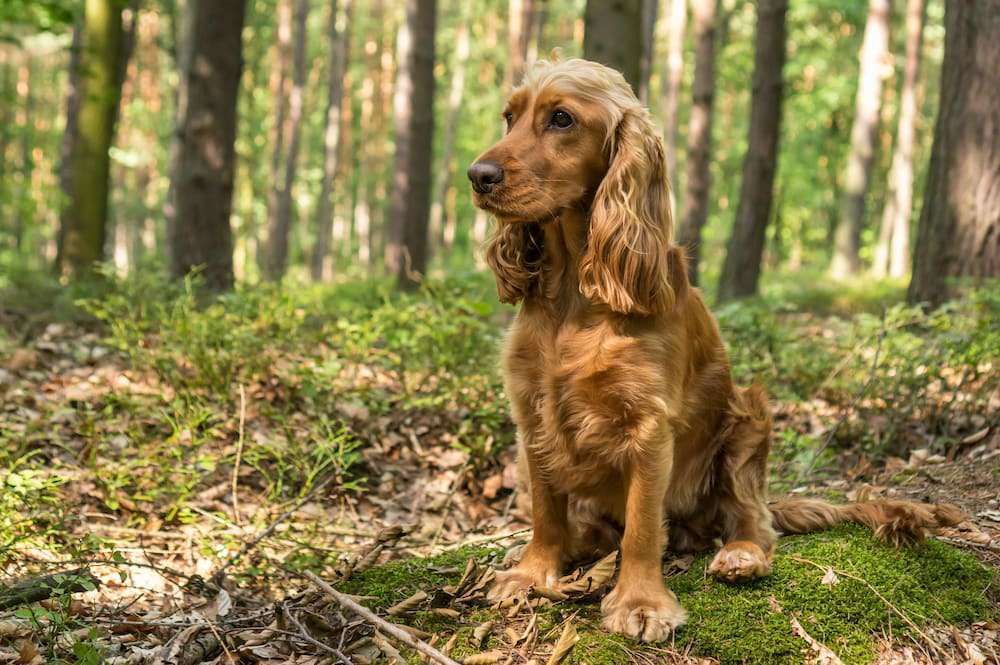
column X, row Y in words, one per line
column 933, row 584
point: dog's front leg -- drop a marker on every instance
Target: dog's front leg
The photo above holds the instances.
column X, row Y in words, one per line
column 640, row 605
column 543, row 558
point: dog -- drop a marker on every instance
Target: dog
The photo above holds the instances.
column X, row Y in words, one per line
column 620, row 386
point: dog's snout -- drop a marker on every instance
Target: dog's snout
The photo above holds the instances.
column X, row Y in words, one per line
column 484, row 175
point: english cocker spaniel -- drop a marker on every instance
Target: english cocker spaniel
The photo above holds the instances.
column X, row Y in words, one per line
column 629, row 424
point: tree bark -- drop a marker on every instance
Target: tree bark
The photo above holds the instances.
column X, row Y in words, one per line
column 413, row 110
column 613, row 36
column 741, row 270
column 864, row 132
column 520, row 23
column 650, row 9
column 958, row 235
column 442, row 224
column 675, row 76
column 85, row 221
column 339, row 49
column 199, row 234
column 280, row 224
column 892, row 253
column 698, row 181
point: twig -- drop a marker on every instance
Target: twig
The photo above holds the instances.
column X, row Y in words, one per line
column 348, row 603
column 304, row 634
column 482, row 540
column 271, row 527
column 239, row 453
column 907, row 620
column 854, row 403
column 42, row 588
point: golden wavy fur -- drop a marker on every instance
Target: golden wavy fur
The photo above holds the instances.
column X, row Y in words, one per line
column 618, row 379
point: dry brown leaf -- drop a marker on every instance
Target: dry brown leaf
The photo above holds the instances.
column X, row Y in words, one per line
column 387, row 649
column 567, row 640
column 824, row 656
column 449, row 645
column 551, row 594
column 485, row 658
column 830, row 578
column 408, row 605
column 368, row 560
column 598, row 574
column 976, row 437
column 482, row 631
column 446, row 612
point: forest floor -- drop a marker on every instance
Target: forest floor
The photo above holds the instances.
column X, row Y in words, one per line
column 171, row 472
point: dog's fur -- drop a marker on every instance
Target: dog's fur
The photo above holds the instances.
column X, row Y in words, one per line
column 619, row 382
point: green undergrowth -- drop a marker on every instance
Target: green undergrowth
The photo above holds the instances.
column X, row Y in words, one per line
column 932, row 584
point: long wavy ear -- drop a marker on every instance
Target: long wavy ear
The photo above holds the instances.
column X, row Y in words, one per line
column 625, row 265
column 514, row 254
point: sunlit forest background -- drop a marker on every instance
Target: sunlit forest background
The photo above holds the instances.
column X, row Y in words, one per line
column 475, row 51
column 248, row 345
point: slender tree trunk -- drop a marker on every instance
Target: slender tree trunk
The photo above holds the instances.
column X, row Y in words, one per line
column 698, row 180
column 200, row 235
column 613, row 36
column 892, row 253
column 339, row 49
column 68, row 142
column 26, row 86
column 741, row 270
column 86, row 219
column 958, row 235
column 864, row 132
column 520, row 24
column 675, row 75
column 280, row 224
column 6, row 92
column 441, row 235
column 650, row 9
column 413, row 111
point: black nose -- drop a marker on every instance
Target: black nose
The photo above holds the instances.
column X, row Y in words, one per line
column 484, row 175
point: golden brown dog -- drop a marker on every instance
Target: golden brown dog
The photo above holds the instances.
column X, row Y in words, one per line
column 619, row 382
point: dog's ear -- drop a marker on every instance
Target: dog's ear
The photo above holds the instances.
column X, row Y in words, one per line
column 514, row 253
column 626, row 265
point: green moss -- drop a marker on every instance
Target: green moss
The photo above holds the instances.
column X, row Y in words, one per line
column 932, row 584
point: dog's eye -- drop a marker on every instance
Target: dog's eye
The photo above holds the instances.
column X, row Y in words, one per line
column 508, row 118
column 561, row 119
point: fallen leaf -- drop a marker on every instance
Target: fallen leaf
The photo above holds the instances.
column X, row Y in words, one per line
column 485, row 658
column 564, row 645
column 408, row 605
column 830, row 579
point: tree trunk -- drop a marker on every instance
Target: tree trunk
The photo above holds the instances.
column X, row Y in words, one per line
column 649, row 11
column 85, row 221
column 280, row 224
column 520, row 24
column 675, row 76
column 741, row 270
column 892, row 253
column 68, row 141
column 444, row 233
column 199, row 233
column 958, row 235
column 864, row 132
column 613, row 36
column 698, row 181
column 339, row 49
column 413, row 111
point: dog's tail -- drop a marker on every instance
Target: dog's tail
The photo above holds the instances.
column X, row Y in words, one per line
column 897, row 522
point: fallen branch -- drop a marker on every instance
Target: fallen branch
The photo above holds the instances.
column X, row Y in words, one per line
column 41, row 588
column 386, row 627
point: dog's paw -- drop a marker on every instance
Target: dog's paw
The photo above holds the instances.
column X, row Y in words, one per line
column 739, row 561
column 519, row 579
column 645, row 616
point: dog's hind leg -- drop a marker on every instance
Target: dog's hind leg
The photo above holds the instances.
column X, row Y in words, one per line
column 745, row 521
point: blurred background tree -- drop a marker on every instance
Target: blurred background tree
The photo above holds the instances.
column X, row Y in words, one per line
column 328, row 140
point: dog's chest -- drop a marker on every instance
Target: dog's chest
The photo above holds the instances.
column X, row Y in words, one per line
column 585, row 398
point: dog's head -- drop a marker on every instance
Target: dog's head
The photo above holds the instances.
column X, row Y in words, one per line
column 578, row 138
